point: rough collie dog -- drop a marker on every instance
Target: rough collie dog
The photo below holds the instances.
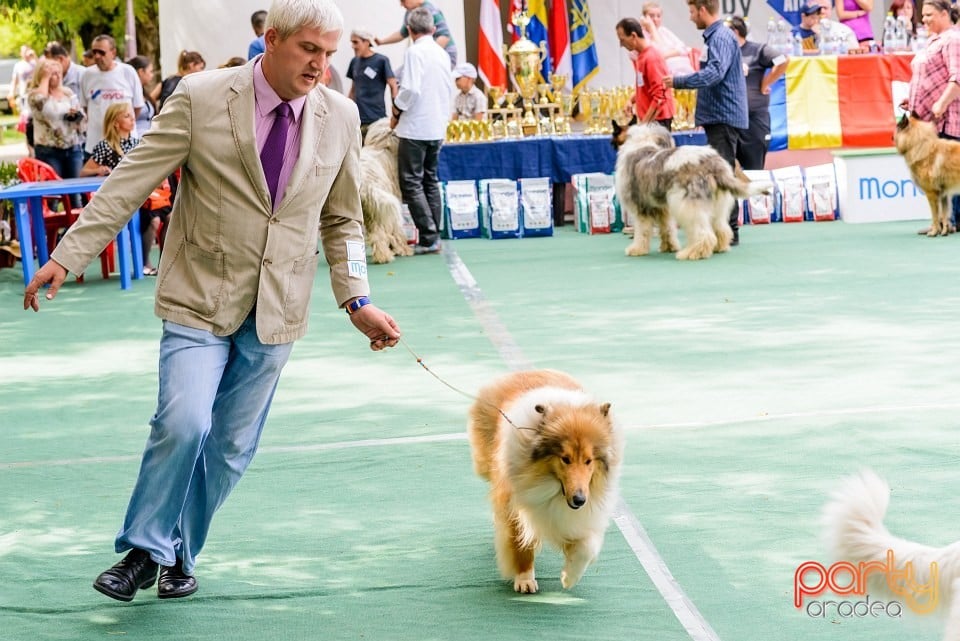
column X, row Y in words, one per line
column 553, row 461
column 662, row 185
column 934, row 165
column 853, row 523
column 380, row 194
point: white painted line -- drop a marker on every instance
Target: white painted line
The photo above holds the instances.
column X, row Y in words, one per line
column 644, row 549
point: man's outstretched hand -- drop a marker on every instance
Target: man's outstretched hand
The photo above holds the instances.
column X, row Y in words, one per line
column 53, row 273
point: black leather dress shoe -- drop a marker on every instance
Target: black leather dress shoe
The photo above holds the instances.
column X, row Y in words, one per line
column 173, row 583
column 122, row 581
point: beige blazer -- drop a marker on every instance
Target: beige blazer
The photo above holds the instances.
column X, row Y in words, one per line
column 225, row 250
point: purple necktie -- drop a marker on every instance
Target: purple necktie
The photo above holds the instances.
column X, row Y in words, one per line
column 271, row 156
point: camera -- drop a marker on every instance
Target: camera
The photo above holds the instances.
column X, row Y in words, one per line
column 73, row 116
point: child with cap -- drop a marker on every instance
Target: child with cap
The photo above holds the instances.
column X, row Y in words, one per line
column 470, row 103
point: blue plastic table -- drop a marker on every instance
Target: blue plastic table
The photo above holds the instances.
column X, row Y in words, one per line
column 27, row 201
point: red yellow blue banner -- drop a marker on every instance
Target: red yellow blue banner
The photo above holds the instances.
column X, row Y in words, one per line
column 836, row 101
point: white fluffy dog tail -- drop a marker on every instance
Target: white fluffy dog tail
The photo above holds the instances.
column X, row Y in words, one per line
column 853, row 519
column 854, row 529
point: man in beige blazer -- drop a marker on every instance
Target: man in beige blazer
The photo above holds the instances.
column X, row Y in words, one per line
column 236, row 273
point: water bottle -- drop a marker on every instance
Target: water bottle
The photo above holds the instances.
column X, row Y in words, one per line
column 827, row 41
column 786, row 43
column 772, row 32
column 904, row 25
column 889, row 33
column 797, row 45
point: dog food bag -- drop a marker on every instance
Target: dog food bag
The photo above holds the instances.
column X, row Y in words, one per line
column 793, row 198
column 461, row 209
column 821, row 182
column 760, row 209
column 581, row 205
column 536, row 207
column 409, row 227
column 501, row 208
column 601, row 213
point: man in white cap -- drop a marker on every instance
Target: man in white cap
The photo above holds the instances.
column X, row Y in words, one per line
column 371, row 75
column 470, row 103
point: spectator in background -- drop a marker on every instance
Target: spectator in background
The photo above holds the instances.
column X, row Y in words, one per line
column 331, row 79
column 58, row 122
column 834, row 28
column 72, row 73
column 809, row 27
column 258, row 21
column 371, row 75
column 119, row 126
column 144, row 68
column 441, row 31
column 235, row 61
column 674, row 51
column 188, row 62
column 20, row 79
column 654, row 102
column 420, row 115
column 469, row 103
column 721, row 89
column 87, row 58
column 856, row 15
column 909, row 10
column 107, row 82
column 763, row 66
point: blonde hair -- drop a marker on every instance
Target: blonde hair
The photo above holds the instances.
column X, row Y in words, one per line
column 110, row 133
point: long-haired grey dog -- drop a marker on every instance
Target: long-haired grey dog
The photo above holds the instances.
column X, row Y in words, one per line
column 380, row 194
column 664, row 185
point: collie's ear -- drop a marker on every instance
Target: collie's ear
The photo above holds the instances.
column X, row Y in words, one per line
column 605, row 409
column 542, row 410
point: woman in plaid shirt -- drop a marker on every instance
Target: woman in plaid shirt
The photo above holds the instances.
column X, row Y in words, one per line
column 935, row 84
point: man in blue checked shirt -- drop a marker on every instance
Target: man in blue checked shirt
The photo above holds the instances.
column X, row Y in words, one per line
column 721, row 88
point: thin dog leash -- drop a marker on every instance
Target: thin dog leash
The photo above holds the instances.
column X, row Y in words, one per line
column 458, row 390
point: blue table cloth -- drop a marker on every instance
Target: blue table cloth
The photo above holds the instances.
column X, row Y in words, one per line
column 557, row 158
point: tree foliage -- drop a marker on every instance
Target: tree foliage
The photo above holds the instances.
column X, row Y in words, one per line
column 77, row 22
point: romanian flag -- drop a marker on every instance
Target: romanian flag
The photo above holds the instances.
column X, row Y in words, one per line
column 836, row 101
column 583, row 50
column 537, row 32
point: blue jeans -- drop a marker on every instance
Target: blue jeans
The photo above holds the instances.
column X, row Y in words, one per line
column 66, row 162
column 215, row 392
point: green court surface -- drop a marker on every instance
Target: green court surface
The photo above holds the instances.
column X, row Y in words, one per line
column 748, row 385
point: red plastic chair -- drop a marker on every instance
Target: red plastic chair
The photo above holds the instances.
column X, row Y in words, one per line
column 33, row 170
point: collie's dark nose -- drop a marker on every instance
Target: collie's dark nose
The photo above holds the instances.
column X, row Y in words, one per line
column 577, row 501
